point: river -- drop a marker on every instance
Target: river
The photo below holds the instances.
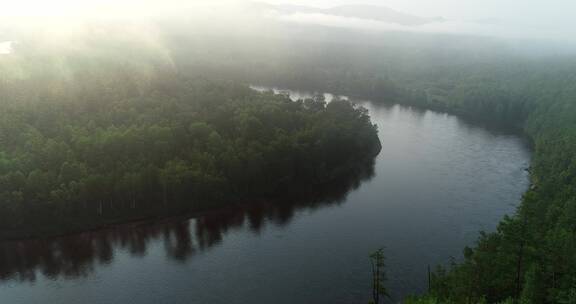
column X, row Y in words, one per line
column 436, row 183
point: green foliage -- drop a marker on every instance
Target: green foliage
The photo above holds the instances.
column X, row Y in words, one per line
column 101, row 145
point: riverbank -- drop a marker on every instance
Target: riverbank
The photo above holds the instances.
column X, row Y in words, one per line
column 348, row 178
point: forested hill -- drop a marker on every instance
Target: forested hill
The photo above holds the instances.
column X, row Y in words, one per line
column 87, row 139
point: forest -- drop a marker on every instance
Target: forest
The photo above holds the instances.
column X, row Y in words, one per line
column 94, row 138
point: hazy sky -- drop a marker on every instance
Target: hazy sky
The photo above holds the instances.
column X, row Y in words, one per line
column 547, row 10
column 542, row 19
column 552, row 19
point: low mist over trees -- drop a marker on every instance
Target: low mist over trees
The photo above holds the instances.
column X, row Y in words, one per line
column 92, row 137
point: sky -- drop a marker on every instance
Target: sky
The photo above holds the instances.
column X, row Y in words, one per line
column 550, row 10
column 540, row 19
column 508, row 18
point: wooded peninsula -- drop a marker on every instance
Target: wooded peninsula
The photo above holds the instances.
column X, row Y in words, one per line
column 87, row 141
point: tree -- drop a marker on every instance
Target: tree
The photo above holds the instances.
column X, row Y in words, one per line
column 378, row 276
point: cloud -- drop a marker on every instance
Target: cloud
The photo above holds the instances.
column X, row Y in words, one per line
column 445, row 26
column 235, row 15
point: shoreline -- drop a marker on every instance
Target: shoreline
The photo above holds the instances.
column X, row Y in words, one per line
column 118, row 223
column 155, row 217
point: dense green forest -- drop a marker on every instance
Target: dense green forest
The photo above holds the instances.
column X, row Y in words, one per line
column 531, row 258
column 89, row 138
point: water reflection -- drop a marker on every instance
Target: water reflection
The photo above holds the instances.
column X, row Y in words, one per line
column 79, row 255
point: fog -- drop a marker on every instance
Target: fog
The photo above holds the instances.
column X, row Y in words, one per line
column 551, row 21
column 229, row 38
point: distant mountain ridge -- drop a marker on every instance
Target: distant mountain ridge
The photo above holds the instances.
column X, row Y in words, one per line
column 367, row 12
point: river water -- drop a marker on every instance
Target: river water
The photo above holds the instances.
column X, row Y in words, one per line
column 437, row 182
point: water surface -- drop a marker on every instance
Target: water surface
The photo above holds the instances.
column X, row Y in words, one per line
column 436, row 183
